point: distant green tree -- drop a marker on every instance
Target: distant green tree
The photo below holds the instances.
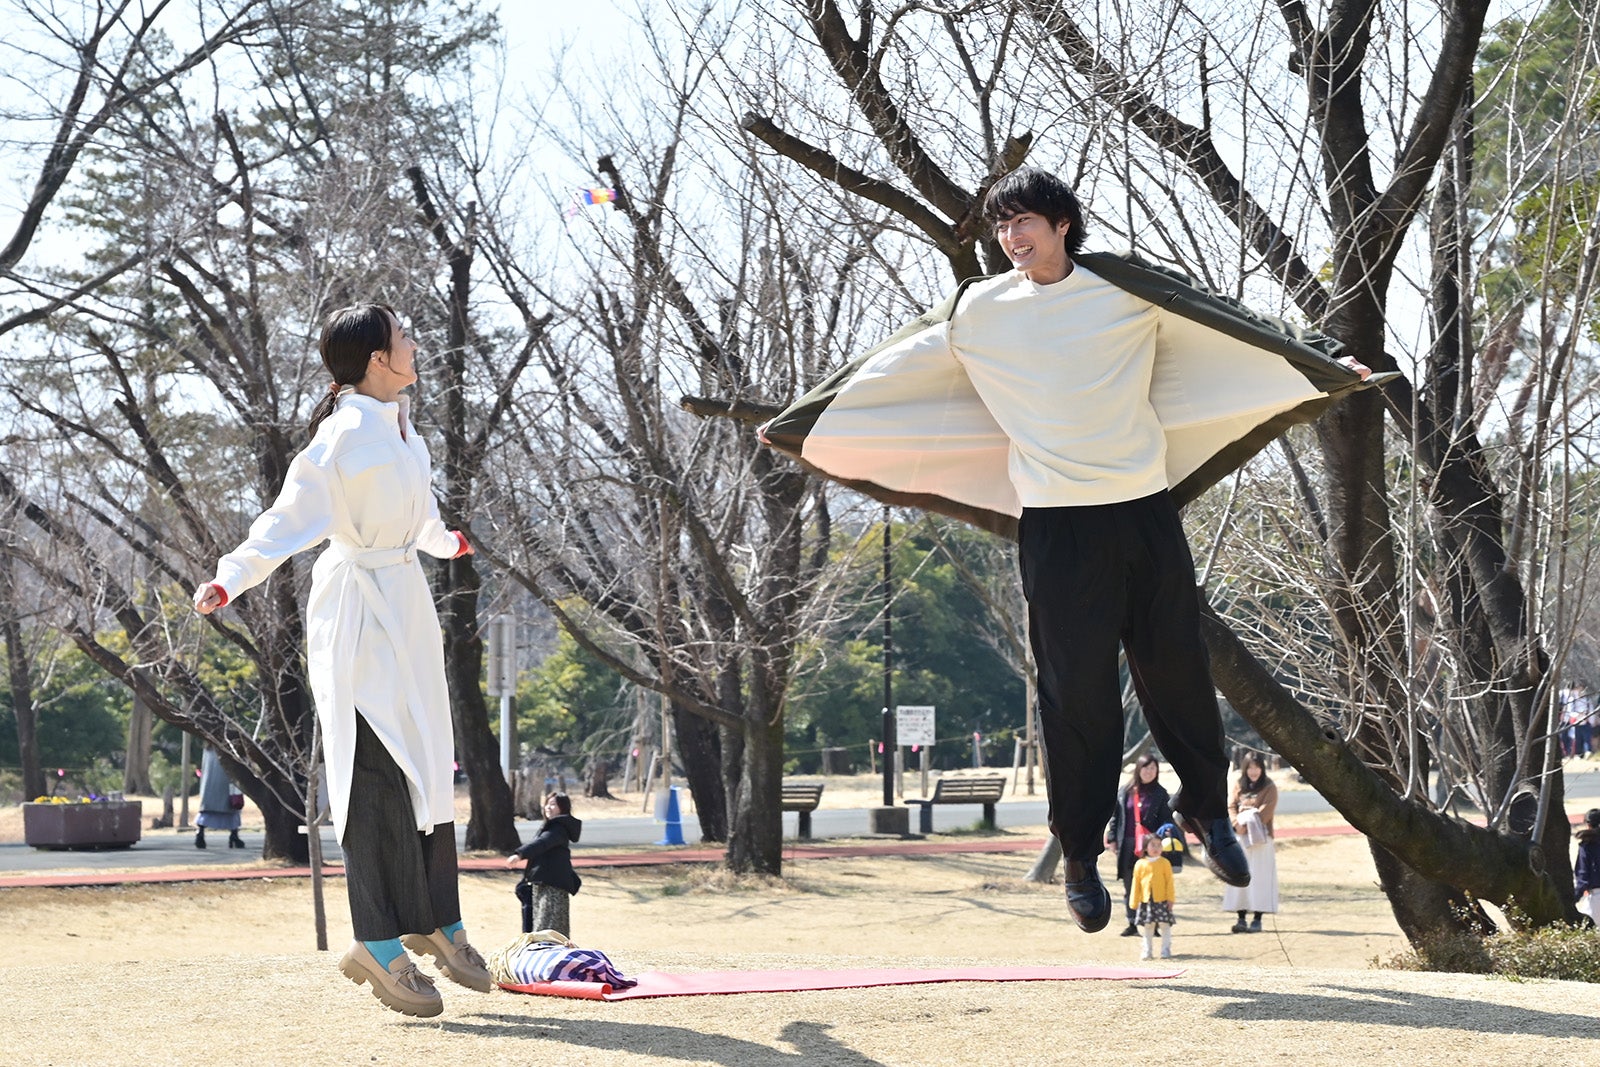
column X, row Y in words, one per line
column 83, row 714
column 1534, row 160
column 571, row 702
column 942, row 653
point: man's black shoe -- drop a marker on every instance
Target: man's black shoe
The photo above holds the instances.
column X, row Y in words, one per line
column 1222, row 852
column 1087, row 898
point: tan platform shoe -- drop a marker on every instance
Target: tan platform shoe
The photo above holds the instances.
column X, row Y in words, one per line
column 400, row 986
column 458, row 960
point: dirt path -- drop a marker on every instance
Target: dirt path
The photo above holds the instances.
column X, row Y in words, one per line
column 227, row 973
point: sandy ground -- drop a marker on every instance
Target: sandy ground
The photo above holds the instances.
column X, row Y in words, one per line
column 228, row 973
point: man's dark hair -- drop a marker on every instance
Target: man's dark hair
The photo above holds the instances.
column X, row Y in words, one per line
column 1038, row 192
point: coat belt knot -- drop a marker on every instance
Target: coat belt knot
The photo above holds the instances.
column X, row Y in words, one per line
column 372, row 559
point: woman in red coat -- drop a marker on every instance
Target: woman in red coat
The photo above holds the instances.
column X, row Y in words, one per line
column 1143, row 807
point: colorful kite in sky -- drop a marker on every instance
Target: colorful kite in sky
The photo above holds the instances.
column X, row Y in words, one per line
column 590, row 197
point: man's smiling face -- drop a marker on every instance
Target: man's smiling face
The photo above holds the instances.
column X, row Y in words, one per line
column 1035, row 246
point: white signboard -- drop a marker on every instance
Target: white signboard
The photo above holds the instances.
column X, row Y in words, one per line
column 913, row 724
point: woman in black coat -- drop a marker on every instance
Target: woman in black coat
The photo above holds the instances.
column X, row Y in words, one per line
column 1128, row 829
column 548, row 880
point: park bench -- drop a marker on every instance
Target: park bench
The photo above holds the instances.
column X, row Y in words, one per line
column 985, row 791
column 804, row 798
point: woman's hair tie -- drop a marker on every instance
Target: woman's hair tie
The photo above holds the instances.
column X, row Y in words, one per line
column 334, row 387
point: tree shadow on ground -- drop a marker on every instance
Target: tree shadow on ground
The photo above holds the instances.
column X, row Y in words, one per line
column 1322, row 933
column 1393, row 1007
column 811, row 1041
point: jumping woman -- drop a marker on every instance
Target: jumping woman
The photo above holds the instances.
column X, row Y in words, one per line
column 375, row 656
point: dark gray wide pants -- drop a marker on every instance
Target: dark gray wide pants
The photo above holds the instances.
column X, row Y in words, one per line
column 1098, row 577
column 400, row 881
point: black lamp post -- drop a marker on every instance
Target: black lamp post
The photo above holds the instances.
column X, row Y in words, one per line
column 890, row 743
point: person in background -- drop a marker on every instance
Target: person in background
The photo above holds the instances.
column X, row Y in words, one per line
column 1582, row 721
column 548, row 881
column 1586, row 871
column 218, row 809
column 1143, row 807
column 374, row 656
column 1253, row 801
column 1153, row 896
column 1567, row 726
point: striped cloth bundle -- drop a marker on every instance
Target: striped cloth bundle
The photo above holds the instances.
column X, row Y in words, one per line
column 548, row 961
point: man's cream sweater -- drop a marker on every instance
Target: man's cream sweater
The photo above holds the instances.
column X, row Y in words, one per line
column 1065, row 371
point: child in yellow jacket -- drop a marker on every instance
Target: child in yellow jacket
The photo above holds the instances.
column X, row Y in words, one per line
column 1152, row 897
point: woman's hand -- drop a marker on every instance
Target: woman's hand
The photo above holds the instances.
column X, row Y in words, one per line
column 208, row 598
column 512, row 861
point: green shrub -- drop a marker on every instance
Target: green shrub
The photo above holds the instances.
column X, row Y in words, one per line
column 1567, row 952
column 1455, row 952
column 103, row 778
column 165, row 772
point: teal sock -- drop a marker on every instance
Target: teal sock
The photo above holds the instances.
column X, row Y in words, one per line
column 385, row 951
column 451, row 931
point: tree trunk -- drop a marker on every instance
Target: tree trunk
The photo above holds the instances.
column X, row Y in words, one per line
column 165, row 820
column 1497, row 867
column 756, row 843
column 1426, row 910
column 599, row 786
column 283, row 839
column 19, row 674
column 1044, row 866
column 491, row 824
column 136, row 765
column 700, row 750
column 732, row 744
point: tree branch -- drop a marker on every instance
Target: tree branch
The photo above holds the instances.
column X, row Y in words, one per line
column 1193, row 147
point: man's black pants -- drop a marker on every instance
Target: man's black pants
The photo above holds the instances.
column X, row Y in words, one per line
column 1096, row 577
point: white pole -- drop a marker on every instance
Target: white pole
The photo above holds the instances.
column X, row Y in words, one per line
column 649, row 781
column 503, row 684
column 183, row 784
column 508, row 734
column 666, row 748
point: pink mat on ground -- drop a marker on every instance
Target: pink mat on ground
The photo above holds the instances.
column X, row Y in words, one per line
column 652, row 984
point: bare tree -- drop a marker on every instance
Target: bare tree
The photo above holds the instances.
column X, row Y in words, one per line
column 1340, row 149
column 160, row 386
column 113, row 61
column 679, row 552
column 468, row 430
column 19, row 660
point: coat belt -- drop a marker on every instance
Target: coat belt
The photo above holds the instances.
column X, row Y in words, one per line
column 372, row 559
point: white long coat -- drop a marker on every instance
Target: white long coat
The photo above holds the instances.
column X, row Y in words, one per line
column 372, row 635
